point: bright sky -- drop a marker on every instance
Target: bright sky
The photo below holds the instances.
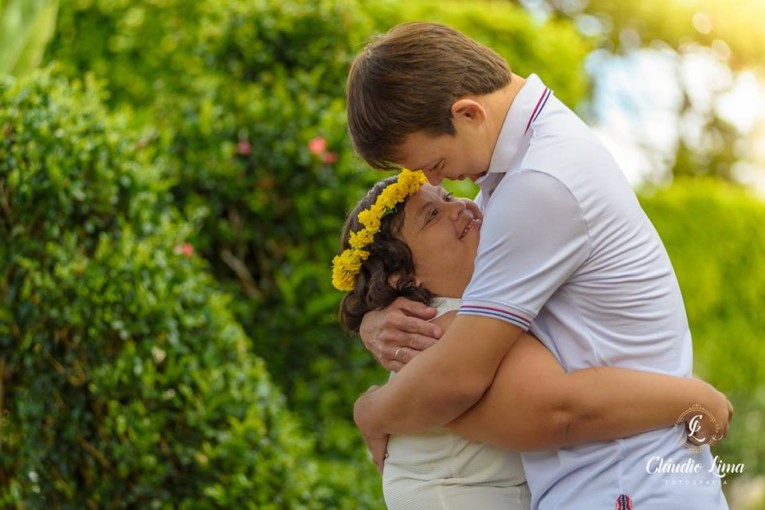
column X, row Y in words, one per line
column 637, row 95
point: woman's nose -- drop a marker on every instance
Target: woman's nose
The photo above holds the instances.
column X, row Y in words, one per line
column 455, row 208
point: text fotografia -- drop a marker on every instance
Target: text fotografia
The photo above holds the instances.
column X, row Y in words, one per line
column 690, row 466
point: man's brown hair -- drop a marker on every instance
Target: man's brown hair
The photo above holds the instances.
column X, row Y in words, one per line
column 405, row 81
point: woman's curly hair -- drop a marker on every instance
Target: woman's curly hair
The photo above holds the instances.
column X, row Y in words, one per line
column 388, row 272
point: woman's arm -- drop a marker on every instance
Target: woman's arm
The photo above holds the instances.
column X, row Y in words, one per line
column 533, row 404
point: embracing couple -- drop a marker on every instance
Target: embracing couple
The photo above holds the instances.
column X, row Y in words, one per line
column 561, row 328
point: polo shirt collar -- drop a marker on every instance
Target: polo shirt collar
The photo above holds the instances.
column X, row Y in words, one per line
column 525, row 108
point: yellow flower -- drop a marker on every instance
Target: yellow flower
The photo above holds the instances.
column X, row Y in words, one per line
column 343, row 280
column 346, row 266
column 361, row 238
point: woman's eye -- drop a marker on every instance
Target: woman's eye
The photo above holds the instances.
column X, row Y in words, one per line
column 448, row 197
column 433, row 214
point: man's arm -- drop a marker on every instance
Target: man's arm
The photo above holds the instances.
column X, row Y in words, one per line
column 440, row 383
column 533, row 404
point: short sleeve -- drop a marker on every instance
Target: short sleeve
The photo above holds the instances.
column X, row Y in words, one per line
column 533, row 239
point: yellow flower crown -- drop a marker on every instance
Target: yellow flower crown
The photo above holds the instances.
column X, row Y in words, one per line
column 346, row 266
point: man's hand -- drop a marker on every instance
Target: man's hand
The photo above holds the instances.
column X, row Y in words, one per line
column 397, row 333
column 377, row 443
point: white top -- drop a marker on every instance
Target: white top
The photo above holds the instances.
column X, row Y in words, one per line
column 565, row 244
column 445, row 305
column 438, row 470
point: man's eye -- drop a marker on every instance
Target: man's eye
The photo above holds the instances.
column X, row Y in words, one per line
column 437, row 166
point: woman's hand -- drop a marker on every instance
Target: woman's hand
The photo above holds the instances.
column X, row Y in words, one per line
column 397, row 333
column 703, row 428
column 377, row 443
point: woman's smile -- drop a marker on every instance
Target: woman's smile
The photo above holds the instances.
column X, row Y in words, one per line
column 473, row 225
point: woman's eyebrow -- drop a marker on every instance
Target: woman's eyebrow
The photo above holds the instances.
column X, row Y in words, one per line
column 423, row 207
column 423, row 222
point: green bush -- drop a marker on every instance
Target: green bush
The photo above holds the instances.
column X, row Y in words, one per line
column 144, row 49
column 715, row 235
column 153, row 51
column 235, row 101
column 125, row 381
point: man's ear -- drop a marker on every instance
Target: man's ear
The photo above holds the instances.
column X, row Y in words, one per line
column 469, row 109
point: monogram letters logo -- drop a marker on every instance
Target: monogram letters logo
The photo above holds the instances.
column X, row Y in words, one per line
column 701, row 428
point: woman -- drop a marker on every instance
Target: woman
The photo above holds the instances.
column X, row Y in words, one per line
column 408, row 238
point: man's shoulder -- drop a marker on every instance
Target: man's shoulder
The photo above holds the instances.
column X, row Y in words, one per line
column 541, row 182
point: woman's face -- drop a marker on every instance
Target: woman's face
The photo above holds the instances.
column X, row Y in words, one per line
column 442, row 232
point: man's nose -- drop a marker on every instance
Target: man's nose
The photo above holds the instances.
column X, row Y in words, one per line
column 434, row 178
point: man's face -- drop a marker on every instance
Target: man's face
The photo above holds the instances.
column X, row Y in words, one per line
column 466, row 155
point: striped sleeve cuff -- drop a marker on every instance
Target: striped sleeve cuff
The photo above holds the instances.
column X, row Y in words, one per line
column 495, row 312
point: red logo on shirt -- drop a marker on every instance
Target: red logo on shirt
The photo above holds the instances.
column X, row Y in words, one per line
column 624, row 502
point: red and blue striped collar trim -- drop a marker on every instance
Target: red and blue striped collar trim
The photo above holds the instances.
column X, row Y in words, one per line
column 539, row 107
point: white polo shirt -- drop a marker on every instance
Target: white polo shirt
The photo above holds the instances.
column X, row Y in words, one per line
column 567, row 252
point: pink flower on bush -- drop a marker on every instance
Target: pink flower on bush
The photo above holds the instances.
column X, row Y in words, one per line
column 243, row 148
column 329, row 157
column 317, row 145
column 185, row 249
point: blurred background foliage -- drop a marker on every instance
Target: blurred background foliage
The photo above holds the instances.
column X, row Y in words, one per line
column 25, row 28
column 677, row 24
column 172, row 187
column 715, row 235
column 706, row 49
